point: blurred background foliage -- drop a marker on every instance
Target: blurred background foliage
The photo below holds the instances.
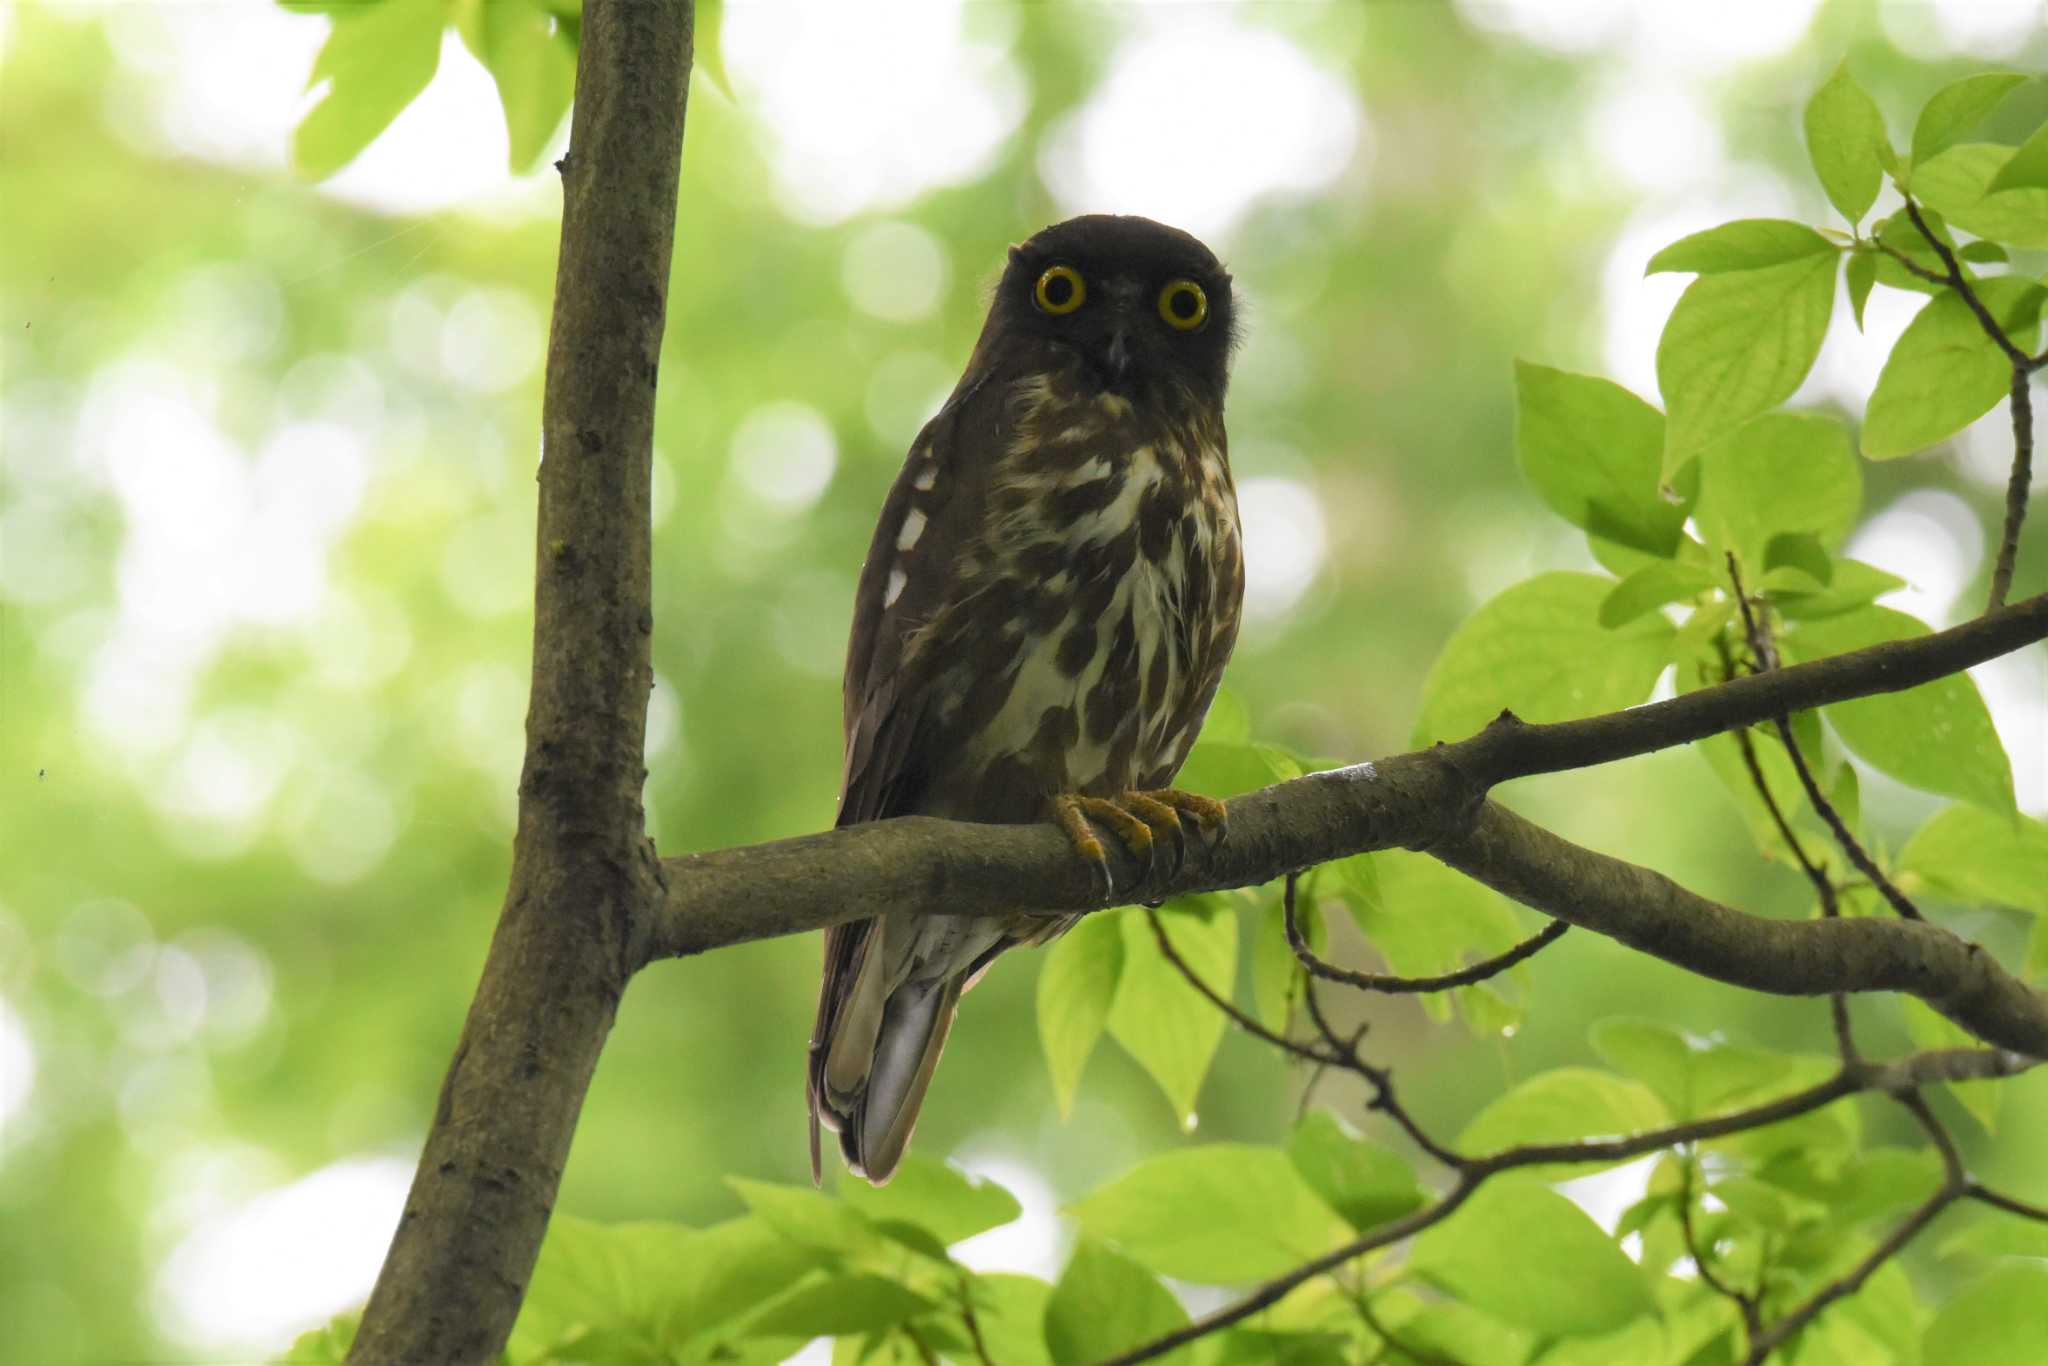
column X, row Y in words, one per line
column 266, row 509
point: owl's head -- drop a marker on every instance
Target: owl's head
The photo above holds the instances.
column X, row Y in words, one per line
column 1138, row 303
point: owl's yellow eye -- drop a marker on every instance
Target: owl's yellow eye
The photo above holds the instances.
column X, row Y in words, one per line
column 1183, row 305
column 1061, row 290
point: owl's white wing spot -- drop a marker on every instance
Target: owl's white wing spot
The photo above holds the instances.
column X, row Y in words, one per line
column 925, row 477
column 897, row 579
column 913, row 527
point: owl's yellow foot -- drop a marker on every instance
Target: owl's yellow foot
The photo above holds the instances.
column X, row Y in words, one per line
column 1141, row 821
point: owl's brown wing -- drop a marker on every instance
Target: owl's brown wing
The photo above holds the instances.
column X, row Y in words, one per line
column 888, row 716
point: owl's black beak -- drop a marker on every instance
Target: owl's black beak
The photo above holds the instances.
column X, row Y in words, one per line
column 1117, row 356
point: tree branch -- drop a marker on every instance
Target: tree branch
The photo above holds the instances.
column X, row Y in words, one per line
column 1431, row 800
column 2017, row 484
column 575, row 918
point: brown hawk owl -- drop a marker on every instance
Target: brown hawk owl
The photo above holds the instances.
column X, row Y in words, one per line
column 1044, row 614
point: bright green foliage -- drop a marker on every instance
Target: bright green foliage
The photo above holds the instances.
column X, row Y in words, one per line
column 1539, row 649
column 1737, row 345
column 1522, row 1252
column 1958, row 184
column 1945, row 372
column 1430, row 920
column 378, row 58
column 1560, row 1106
column 530, row 50
column 1956, row 109
column 1365, row 1183
column 1745, row 244
column 1937, row 737
column 1860, row 275
column 1784, row 476
column 1106, row 1303
column 1591, row 449
column 2027, row 168
column 1986, row 1321
column 1846, row 140
column 1161, row 1021
column 1697, row 1077
column 1076, row 985
column 1974, row 855
column 1217, row 1214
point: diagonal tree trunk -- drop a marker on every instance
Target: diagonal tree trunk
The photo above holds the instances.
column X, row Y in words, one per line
column 584, row 876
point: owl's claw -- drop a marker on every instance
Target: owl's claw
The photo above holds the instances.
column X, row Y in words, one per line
column 1141, row 821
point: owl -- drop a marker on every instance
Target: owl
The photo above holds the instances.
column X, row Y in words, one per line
column 1044, row 615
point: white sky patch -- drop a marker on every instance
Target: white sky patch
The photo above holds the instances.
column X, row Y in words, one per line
column 895, row 271
column 1977, row 28
column 2015, row 688
column 17, row 1070
column 1658, row 133
column 1931, row 539
column 841, row 140
column 252, row 1277
column 1284, row 543
column 1606, row 1195
column 1032, row 1243
column 783, row 453
column 1849, row 363
column 1560, row 25
column 1199, row 117
column 1984, row 450
column 1724, row 34
column 491, row 340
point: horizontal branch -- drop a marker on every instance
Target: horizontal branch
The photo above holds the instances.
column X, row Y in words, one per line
column 1433, row 800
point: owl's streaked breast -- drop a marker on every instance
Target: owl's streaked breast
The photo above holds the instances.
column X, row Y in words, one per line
column 1071, row 653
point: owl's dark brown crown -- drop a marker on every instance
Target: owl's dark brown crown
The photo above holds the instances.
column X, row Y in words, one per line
column 1140, row 307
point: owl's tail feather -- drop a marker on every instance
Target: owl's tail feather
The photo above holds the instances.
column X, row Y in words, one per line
column 876, row 1046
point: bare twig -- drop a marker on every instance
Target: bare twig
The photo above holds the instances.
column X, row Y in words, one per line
column 2017, row 483
column 1392, row 985
column 1766, row 655
column 2010, row 1204
column 1956, row 280
column 1745, row 1301
column 1224, row 1004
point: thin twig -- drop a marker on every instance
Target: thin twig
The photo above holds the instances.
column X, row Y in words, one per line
column 2017, row 483
column 1392, row 985
column 1745, row 1301
column 1222, row 1003
column 1381, row 1080
column 1766, row 655
column 1960, row 283
column 1386, row 1336
column 967, row 1316
column 2010, row 1204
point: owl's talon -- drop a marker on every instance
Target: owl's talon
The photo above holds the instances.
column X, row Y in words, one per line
column 1069, row 815
column 1210, row 817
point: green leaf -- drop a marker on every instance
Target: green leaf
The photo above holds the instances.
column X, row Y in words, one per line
column 807, row 1217
column 1221, row 769
column 1898, row 233
column 707, row 56
column 1844, row 132
column 1945, row 373
column 1162, row 1021
column 1954, row 110
column 1010, row 1311
column 831, row 1305
column 1539, row 648
column 1983, row 251
column 1995, row 1235
column 1228, row 722
column 1076, row 987
column 1564, row 1105
column 1861, row 275
column 1937, row 737
column 1697, row 1077
column 2002, row 1317
column 1448, row 1331
column 1736, row 346
column 1591, row 450
column 326, row 1345
column 1972, row 855
column 1105, row 1304
column 1783, row 473
column 1431, row 919
column 1216, row 1215
column 531, row 54
column 2028, row 167
column 1528, row 1256
column 1958, row 183
column 377, row 59
column 937, row 1197
column 1652, row 587
column 1745, row 244
column 1276, row 973
column 1852, row 584
column 1367, row 1184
